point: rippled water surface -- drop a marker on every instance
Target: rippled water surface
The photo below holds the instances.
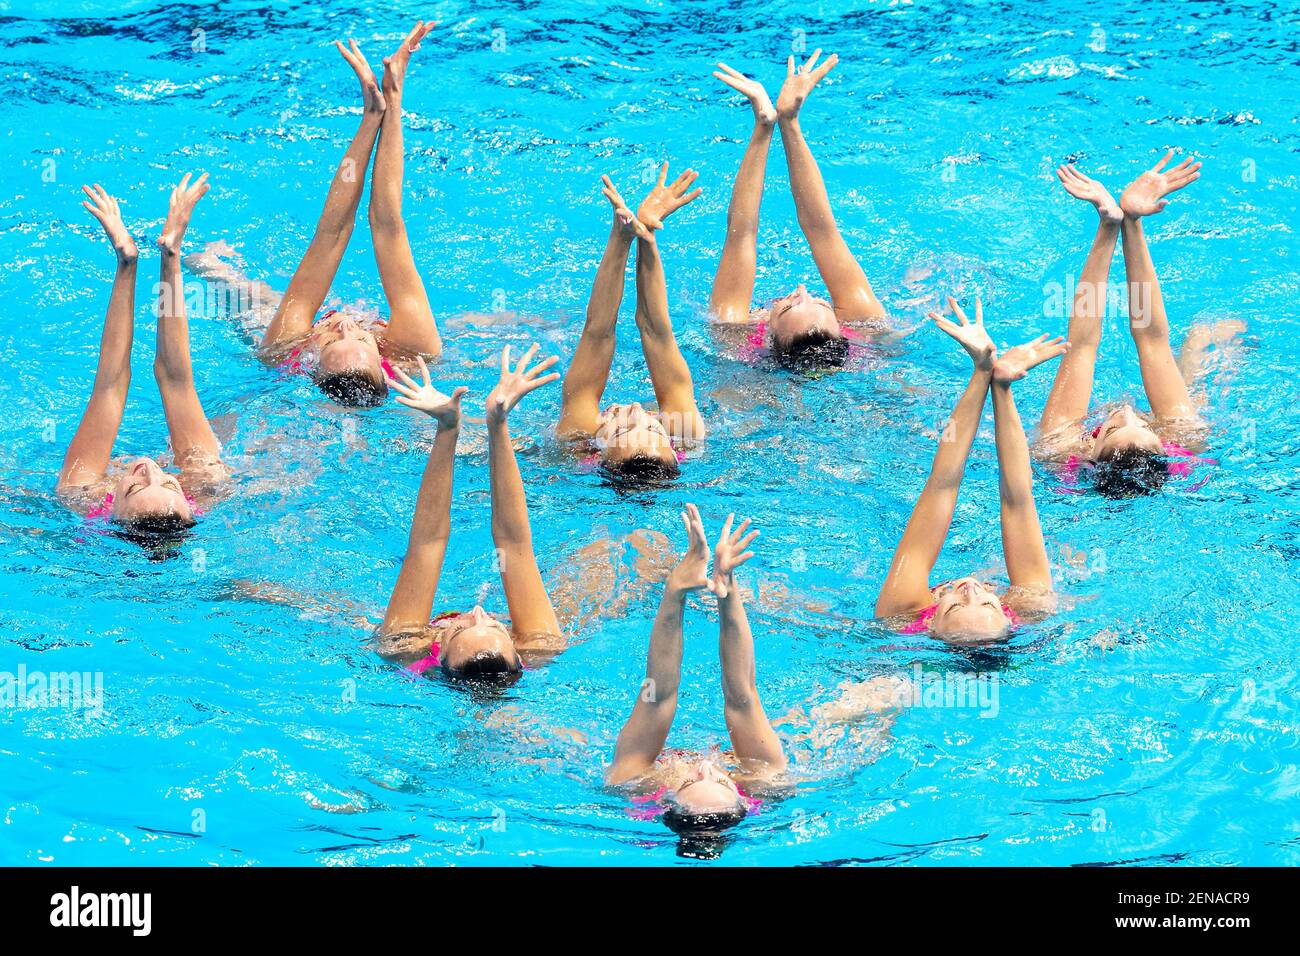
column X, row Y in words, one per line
column 1154, row 720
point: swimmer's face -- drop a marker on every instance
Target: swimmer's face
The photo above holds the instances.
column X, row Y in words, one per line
column 462, row 637
column 795, row 315
column 1124, row 429
column 347, row 347
column 707, row 790
column 146, row 491
column 629, row 431
column 969, row 612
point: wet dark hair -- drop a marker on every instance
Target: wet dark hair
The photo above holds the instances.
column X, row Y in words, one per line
column 1131, row 473
column 702, row 825
column 642, row 471
column 488, row 669
column 814, row 349
column 353, row 388
column 160, row 535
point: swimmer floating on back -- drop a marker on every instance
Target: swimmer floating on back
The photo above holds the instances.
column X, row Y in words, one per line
column 631, row 442
column 349, row 360
column 471, row 644
column 150, row 505
column 799, row 328
column 1130, row 453
column 966, row 610
column 697, row 795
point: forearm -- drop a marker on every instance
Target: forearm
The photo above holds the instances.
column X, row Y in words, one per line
column 339, row 216
column 432, row 521
column 736, row 650
column 1147, row 320
column 1015, row 473
column 510, row 528
column 747, row 195
column 390, row 161
column 812, row 203
column 959, row 434
column 664, row 659
column 607, row 288
column 172, row 365
column 113, row 373
column 651, row 291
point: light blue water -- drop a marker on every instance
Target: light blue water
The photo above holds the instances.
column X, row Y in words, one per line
column 1154, row 721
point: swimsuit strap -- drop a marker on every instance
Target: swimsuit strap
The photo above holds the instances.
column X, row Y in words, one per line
column 102, row 510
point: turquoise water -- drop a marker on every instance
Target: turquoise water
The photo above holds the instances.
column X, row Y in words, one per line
column 1153, row 720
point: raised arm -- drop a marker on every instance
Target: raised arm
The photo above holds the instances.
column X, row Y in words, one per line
column 1022, row 537
column 669, row 373
column 411, row 325
column 907, row 585
column 847, row 284
column 733, row 286
column 531, row 613
column 1161, row 377
column 1067, row 404
column 755, row 743
column 642, row 738
column 315, row 273
column 91, row 447
column 193, row 443
column 411, row 603
column 584, row 383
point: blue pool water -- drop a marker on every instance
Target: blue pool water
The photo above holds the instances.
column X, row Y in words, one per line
column 1154, row 720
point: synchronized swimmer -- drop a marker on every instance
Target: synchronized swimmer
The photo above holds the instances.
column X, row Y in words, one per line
column 357, row 361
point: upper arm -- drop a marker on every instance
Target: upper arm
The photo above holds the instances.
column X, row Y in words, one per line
column 643, row 736
column 907, row 584
column 411, row 603
column 850, row 292
column 531, row 612
column 91, row 448
column 1163, row 380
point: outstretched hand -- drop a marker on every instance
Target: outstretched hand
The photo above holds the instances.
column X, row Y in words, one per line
column 1089, row 190
column 692, row 572
column 442, row 408
column 799, row 82
column 395, row 64
column 181, row 206
column 373, row 98
column 752, row 90
column 666, row 199
column 1015, row 363
column 728, row 554
column 105, row 208
column 628, row 224
column 972, row 336
column 1145, row 195
column 517, row 382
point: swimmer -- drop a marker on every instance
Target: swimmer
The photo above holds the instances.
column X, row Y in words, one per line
column 347, row 355
column 471, row 645
column 632, row 443
column 799, row 328
column 967, row 611
column 1129, row 453
column 148, row 504
column 700, row 795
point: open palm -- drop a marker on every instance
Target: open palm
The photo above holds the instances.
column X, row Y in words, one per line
column 972, row 336
column 443, row 408
column 799, row 82
column 1015, row 363
column 667, row 199
column 1145, row 195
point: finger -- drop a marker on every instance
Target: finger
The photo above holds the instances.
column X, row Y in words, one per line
column 1160, row 165
column 730, row 81
column 690, row 198
column 338, row 45
column 737, row 562
column 201, row 181
column 505, row 361
column 408, row 402
column 528, row 357
column 789, row 67
column 746, row 541
column 956, row 310
column 663, row 173
column 424, row 369
column 952, row 328
column 809, row 63
column 740, row 529
column 94, row 210
column 542, row 366
column 690, row 533
column 404, row 379
column 979, row 311
column 682, row 182
column 725, row 536
column 460, row 392
column 184, row 183
column 825, row 67
column 732, row 71
column 538, row 383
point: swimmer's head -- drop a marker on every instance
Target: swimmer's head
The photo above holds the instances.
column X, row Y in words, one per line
column 476, row 646
column 707, row 802
column 147, row 498
column 1129, row 457
column 968, row 611
column 635, row 446
column 805, row 331
column 350, row 369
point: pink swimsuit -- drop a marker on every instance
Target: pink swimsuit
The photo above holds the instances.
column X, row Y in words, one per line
column 104, row 510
